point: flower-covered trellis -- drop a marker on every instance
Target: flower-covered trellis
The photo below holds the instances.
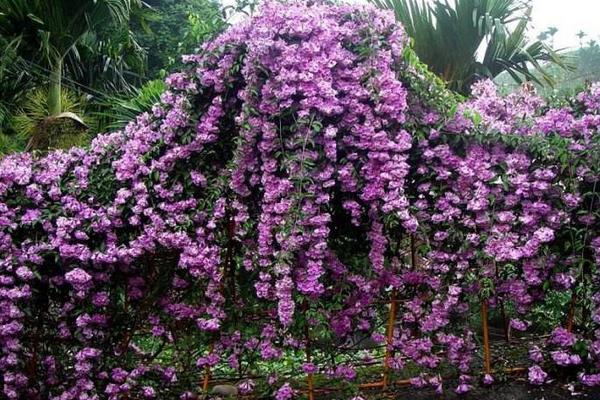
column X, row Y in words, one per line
column 302, row 171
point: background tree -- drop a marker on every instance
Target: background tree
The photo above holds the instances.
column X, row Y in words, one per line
column 94, row 51
column 570, row 81
column 49, row 32
column 580, row 35
column 117, row 110
column 466, row 40
column 548, row 35
column 177, row 27
column 15, row 80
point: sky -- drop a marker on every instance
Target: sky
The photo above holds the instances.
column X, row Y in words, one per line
column 569, row 16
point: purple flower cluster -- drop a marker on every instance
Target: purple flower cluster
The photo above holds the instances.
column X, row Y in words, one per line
column 574, row 132
column 274, row 191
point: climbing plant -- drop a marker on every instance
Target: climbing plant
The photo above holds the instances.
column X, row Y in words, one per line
column 298, row 173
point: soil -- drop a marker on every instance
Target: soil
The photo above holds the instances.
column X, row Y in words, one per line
column 506, row 391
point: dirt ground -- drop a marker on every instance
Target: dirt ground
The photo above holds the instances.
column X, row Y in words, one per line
column 507, row 391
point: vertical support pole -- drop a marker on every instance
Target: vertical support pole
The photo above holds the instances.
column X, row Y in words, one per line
column 505, row 321
column 309, row 376
column 571, row 315
column 486, row 338
column 413, row 252
column 390, row 338
column 227, row 268
column 207, row 371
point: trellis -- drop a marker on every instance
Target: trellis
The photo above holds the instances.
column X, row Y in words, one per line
column 386, row 382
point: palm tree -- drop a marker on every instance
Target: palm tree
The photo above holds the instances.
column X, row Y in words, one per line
column 472, row 39
column 49, row 32
column 580, row 36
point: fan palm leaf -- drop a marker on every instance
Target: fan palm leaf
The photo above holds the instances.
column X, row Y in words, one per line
column 34, row 112
column 451, row 36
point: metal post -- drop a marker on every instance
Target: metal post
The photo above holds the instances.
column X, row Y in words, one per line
column 390, row 338
column 571, row 314
column 207, row 372
column 486, row 338
column 309, row 377
column 413, row 252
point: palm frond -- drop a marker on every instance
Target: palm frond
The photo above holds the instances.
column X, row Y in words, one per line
column 450, row 36
column 522, row 60
column 34, row 111
column 118, row 111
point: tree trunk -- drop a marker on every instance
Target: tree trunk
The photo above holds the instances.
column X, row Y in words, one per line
column 54, row 95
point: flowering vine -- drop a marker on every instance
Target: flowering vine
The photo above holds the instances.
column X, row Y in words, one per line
column 270, row 198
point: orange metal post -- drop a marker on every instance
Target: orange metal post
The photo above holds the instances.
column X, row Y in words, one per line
column 390, row 338
column 571, row 314
column 309, row 377
column 207, row 372
column 413, row 252
column 505, row 321
column 486, row 338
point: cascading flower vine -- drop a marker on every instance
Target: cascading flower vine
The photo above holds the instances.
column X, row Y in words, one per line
column 269, row 199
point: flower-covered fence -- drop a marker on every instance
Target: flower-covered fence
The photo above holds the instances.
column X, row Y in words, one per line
column 303, row 181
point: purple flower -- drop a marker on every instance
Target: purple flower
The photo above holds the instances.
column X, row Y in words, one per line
column 562, row 337
column 590, row 380
column 463, row 388
column 488, row 379
column 285, row 392
column 345, row 372
column 78, row 278
column 148, row 392
column 518, row 324
column 536, row 375
column 246, row 386
column 535, row 354
column 309, row 368
column 544, row 234
column 565, row 359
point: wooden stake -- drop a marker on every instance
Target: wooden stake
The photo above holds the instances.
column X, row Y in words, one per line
column 571, row 315
column 309, row 377
column 413, row 252
column 390, row 338
column 486, row 338
column 207, row 372
column 227, row 268
column 505, row 321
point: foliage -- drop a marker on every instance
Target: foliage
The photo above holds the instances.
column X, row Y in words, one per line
column 50, row 30
column 295, row 176
column 27, row 121
column 104, row 57
column 14, row 80
column 110, row 58
column 473, row 39
column 51, row 33
column 117, row 111
column 177, row 27
column 567, row 82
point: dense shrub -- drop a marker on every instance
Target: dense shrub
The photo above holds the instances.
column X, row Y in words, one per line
column 272, row 195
